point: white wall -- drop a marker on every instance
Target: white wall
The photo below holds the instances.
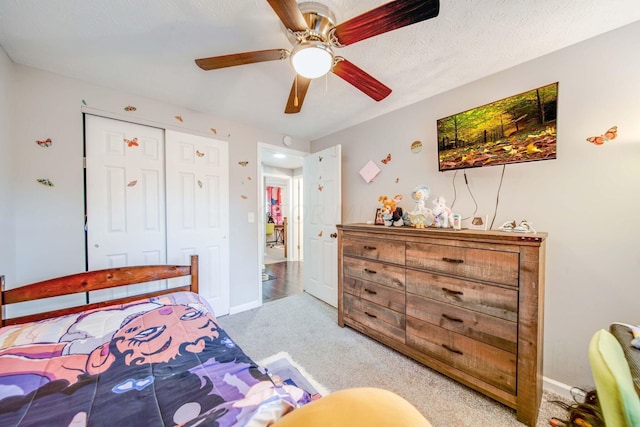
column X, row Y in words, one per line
column 587, row 199
column 49, row 236
column 7, row 239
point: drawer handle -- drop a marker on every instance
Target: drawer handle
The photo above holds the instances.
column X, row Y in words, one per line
column 370, row 248
column 450, row 292
column 369, row 291
column 452, row 350
column 371, row 315
column 452, row 319
column 366, row 270
column 453, row 260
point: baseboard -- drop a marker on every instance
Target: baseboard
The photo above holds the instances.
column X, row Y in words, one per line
column 244, row 307
column 557, row 387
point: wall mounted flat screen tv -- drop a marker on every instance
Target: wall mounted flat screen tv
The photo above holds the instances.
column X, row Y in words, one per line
column 520, row 128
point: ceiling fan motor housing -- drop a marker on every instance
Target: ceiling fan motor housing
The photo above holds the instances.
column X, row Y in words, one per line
column 320, row 20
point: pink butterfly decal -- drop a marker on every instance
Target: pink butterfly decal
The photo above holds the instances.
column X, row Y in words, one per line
column 387, row 159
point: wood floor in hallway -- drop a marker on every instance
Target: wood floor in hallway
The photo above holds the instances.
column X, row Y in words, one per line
column 287, row 280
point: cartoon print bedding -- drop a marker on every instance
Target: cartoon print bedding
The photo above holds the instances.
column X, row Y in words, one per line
column 160, row 361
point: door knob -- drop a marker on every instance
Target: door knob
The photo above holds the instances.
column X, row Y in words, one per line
column 333, row 235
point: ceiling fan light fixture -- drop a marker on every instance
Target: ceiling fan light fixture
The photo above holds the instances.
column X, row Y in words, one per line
column 312, row 59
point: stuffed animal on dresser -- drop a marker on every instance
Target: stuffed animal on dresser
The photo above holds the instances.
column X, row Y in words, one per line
column 392, row 213
column 421, row 216
column 442, row 214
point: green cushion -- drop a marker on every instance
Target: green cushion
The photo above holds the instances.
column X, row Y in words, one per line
column 617, row 396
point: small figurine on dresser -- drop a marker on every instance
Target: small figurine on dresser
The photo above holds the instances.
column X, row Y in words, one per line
column 392, row 214
column 421, row 216
column 442, row 214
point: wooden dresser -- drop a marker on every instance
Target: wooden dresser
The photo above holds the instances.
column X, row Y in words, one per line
column 466, row 303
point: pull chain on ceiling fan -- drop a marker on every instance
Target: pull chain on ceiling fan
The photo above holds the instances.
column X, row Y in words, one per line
column 313, row 33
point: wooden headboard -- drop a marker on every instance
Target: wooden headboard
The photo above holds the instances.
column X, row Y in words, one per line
column 83, row 283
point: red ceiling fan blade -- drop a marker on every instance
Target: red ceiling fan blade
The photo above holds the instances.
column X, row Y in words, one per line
column 289, row 13
column 360, row 79
column 297, row 94
column 224, row 61
column 385, row 18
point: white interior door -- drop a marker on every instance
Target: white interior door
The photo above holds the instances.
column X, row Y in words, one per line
column 198, row 211
column 322, row 206
column 125, row 196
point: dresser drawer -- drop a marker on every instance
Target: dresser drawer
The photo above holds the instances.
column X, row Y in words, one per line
column 386, row 321
column 501, row 302
column 490, row 364
column 384, row 274
column 375, row 293
column 481, row 264
column 376, row 249
column 488, row 329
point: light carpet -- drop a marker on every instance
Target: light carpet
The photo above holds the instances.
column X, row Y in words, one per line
column 341, row 358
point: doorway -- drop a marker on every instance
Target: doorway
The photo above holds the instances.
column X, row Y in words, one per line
column 280, row 216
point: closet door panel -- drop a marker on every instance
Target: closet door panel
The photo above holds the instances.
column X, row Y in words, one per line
column 125, row 190
column 197, row 211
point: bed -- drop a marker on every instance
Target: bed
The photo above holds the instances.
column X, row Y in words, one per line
column 158, row 358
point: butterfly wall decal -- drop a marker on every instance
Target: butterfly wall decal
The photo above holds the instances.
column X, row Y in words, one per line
column 131, row 142
column 45, row 181
column 46, row 143
column 387, row 159
column 612, row 133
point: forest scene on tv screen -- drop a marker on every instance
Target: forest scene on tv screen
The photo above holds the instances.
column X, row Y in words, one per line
column 520, row 128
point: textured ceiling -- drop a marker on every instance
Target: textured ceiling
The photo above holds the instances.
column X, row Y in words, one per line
column 147, row 47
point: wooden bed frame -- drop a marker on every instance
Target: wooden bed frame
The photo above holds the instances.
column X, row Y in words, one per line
column 83, row 283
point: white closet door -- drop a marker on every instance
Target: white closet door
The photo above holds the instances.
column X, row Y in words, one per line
column 198, row 211
column 125, row 196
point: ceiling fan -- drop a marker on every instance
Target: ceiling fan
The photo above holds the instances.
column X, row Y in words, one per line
column 313, row 33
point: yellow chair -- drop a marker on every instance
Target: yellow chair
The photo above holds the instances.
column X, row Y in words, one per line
column 618, row 399
column 270, row 230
